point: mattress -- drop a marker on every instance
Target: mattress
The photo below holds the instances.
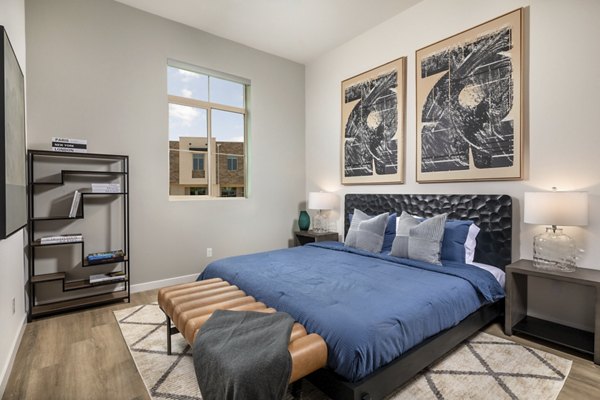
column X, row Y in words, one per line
column 369, row 308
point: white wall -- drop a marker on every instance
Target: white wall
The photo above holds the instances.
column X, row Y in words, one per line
column 12, row 260
column 97, row 71
column 563, row 102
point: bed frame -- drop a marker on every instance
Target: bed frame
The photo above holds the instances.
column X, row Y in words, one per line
column 493, row 215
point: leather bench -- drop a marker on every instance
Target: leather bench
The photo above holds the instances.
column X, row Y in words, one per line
column 188, row 306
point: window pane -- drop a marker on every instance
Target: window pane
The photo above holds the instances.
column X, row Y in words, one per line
column 227, row 126
column 186, row 121
column 188, row 149
column 226, row 92
column 228, row 134
column 187, row 84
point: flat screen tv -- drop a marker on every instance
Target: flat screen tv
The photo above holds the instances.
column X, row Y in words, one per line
column 13, row 158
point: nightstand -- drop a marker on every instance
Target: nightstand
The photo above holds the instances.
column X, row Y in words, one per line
column 517, row 320
column 304, row 237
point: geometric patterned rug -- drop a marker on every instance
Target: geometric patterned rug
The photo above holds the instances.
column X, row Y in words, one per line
column 483, row 367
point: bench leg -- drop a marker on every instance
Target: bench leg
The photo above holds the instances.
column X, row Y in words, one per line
column 168, row 335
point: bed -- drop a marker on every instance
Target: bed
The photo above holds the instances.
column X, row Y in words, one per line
column 383, row 318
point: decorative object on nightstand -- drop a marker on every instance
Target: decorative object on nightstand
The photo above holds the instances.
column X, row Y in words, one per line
column 553, row 250
column 321, row 201
column 303, row 221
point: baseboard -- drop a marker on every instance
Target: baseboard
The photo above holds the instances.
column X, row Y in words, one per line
column 141, row 287
column 11, row 360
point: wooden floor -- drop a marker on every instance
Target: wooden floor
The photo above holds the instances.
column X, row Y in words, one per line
column 82, row 355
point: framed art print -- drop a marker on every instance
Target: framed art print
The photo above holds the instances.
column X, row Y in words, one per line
column 373, row 106
column 13, row 160
column 469, row 118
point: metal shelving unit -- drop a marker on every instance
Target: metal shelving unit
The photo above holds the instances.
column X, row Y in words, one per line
column 119, row 289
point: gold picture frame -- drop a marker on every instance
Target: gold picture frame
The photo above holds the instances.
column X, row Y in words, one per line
column 373, row 121
column 469, row 104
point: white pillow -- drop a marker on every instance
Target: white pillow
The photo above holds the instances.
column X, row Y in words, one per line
column 497, row 272
column 471, row 243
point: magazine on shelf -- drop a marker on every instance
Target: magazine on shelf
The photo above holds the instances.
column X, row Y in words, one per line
column 106, row 187
column 77, row 237
column 69, row 145
column 75, row 204
column 116, row 255
column 110, row 277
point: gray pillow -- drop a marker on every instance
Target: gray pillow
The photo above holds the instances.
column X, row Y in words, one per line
column 419, row 240
column 366, row 233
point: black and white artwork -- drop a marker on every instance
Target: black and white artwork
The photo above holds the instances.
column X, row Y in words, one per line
column 372, row 125
column 468, row 96
column 13, row 192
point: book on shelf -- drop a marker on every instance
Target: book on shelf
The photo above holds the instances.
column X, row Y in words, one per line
column 116, row 255
column 110, row 277
column 106, row 187
column 75, row 204
column 76, row 237
column 68, row 145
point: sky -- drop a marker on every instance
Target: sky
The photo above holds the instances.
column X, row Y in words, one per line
column 191, row 121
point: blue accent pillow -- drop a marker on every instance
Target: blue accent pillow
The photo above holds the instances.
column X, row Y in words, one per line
column 455, row 236
column 389, row 235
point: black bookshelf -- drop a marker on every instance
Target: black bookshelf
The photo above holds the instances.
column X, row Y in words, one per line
column 113, row 167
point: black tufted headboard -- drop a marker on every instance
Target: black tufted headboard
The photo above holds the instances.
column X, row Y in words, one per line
column 491, row 212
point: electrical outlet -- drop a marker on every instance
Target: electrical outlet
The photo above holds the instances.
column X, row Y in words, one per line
column 13, row 306
column 209, row 252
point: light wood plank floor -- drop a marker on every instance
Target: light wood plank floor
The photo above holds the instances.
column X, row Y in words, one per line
column 82, row 355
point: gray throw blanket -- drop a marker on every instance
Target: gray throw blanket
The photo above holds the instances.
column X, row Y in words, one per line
column 242, row 355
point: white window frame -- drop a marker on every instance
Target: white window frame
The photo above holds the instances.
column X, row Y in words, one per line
column 209, row 106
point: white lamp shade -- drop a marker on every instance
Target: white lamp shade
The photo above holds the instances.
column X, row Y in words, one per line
column 321, row 201
column 556, row 208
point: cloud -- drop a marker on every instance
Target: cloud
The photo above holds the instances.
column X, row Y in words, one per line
column 187, row 76
column 186, row 92
column 185, row 115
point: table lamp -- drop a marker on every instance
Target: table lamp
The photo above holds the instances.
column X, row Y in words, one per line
column 321, row 201
column 553, row 250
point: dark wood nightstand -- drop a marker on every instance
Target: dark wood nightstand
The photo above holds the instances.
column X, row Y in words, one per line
column 517, row 320
column 304, row 237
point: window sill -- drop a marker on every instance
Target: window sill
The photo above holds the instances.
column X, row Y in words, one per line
column 204, row 198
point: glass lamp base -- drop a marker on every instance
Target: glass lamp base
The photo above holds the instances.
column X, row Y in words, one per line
column 554, row 251
column 320, row 223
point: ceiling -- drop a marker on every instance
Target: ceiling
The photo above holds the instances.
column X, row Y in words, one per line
column 299, row 30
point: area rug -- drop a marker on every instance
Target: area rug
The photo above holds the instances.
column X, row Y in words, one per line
column 483, row 367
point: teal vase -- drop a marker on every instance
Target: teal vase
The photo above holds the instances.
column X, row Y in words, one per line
column 303, row 221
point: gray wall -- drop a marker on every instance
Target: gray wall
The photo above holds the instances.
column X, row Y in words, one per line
column 97, row 71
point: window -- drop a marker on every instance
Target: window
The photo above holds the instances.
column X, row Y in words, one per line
column 207, row 132
column 231, row 163
column 198, row 160
column 229, row 192
column 198, row 191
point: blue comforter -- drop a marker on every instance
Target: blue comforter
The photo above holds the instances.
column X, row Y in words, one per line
column 369, row 308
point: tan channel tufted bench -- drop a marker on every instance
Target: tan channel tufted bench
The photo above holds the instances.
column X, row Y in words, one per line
column 190, row 305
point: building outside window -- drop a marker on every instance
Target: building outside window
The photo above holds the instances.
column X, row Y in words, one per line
column 207, row 132
column 232, row 163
